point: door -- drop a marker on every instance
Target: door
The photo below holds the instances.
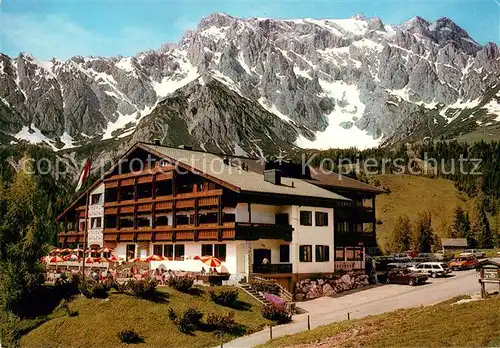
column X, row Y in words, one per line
column 130, row 251
column 260, row 254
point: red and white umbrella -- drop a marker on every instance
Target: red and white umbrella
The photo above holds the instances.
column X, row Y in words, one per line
column 89, row 260
column 72, row 257
column 77, row 250
column 55, row 259
column 105, row 250
column 210, row 261
column 55, row 251
column 114, row 258
column 137, row 259
column 154, row 258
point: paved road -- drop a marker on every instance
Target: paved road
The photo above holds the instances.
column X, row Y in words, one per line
column 373, row 301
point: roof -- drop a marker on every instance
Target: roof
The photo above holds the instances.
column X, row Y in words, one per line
column 495, row 262
column 243, row 180
column 454, row 242
column 341, row 181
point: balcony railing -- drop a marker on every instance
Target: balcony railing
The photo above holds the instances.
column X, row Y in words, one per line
column 367, row 239
column 256, row 231
column 277, row 268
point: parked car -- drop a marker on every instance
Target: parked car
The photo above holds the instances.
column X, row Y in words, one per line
column 433, row 269
column 405, row 276
column 463, row 262
column 475, row 252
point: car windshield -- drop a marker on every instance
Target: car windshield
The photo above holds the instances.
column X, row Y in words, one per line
column 444, row 265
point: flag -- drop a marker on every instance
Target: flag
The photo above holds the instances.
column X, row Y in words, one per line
column 83, row 175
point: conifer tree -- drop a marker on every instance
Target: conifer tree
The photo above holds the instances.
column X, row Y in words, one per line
column 22, row 237
column 423, row 234
column 401, row 239
column 481, row 226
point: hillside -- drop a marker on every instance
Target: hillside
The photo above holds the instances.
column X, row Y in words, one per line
column 411, row 195
column 433, row 326
column 99, row 321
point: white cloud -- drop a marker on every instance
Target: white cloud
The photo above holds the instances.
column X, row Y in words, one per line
column 54, row 35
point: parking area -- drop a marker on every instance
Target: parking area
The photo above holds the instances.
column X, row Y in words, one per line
column 373, row 301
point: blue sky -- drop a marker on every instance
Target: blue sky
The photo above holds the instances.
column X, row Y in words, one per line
column 63, row 28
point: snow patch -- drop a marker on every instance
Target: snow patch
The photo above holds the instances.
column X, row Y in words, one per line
column 67, row 140
column 215, row 33
column 184, row 75
column 243, row 64
column 273, row 109
column 33, row 135
column 127, row 65
column 338, row 134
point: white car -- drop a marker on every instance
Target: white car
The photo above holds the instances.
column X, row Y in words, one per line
column 475, row 252
column 432, row 269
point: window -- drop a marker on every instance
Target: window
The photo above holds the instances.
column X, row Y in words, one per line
column 342, row 226
column 220, row 251
column 179, row 252
column 130, row 251
column 321, row 218
column 126, row 221
column 285, row 253
column 358, row 253
column 161, row 220
column 339, row 254
column 306, row 218
column 158, row 249
column 144, row 221
column 207, row 250
column 282, row 220
column 349, row 251
column 96, row 222
column 110, row 221
column 305, row 253
column 168, row 251
column 322, row 253
column 96, row 198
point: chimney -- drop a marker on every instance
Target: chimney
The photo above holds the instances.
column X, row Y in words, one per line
column 185, row 147
column 156, row 141
column 273, row 176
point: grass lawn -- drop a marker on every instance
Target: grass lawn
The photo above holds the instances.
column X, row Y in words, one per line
column 99, row 321
column 472, row 324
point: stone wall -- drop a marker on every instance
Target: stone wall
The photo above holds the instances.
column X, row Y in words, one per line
column 326, row 286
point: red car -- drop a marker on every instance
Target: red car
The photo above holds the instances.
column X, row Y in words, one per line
column 463, row 262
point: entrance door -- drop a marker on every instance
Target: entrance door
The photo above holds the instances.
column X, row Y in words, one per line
column 260, row 254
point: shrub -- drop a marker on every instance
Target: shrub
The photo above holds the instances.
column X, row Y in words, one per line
column 129, row 336
column 181, row 283
column 221, row 323
column 224, row 297
column 93, row 289
column 265, row 286
column 188, row 322
column 67, row 285
column 144, row 288
column 276, row 313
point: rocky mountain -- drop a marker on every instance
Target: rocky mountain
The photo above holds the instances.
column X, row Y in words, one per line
column 259, row 85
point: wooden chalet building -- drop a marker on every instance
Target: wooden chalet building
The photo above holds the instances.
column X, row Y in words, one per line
column 181, row 203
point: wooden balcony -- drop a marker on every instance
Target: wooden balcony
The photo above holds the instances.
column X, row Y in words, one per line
column 168, row 233
column 256, row 231
column 367, row 239
column 71, row 237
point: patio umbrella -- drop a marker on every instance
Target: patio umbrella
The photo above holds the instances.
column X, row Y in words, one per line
column 77, row 250
column 55, row 259
column 114, row 258
column 154, row 258
column 105, row 250
column 72, row 257
column 55, row 251
column 137, row 259
column 66, row 250
column 89, row 260
column 211, row 261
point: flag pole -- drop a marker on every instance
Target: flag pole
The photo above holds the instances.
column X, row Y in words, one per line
column 85, row 232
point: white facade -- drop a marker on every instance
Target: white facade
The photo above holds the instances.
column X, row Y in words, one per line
column 96, row 212
column 236, row 261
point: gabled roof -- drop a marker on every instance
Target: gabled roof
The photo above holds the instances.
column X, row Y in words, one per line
column 454, row 242
column 237, row 178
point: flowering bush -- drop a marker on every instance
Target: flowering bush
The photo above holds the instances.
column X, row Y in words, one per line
column 276, row 313
column 181, row 283
column 224, row 297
